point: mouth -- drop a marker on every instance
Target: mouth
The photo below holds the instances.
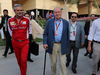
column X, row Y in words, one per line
column 20, row 14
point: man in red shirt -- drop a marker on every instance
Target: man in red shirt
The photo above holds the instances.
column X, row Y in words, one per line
column 19, row 29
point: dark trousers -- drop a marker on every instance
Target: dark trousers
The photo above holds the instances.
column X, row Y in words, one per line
column 86, row 45
column 8, row 43
column 29, row 52
column 75, row 54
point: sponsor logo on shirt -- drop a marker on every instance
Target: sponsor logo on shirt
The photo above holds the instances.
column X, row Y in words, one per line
column 24, row 22
column 22, row 27
column 12, row 23
column 14, row 28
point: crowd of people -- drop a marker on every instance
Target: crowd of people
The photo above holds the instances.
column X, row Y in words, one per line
column 60, row 37
column 49, row 15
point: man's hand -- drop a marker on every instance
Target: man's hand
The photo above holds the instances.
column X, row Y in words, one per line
column 82, row 44
column 89, row 49
column 85, row 36
column 89, row 46
column 45, row 46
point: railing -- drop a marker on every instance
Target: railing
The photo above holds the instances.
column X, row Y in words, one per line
column 42, row 23
column 39, row 23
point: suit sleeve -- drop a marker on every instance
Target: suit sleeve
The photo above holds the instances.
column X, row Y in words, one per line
column 85, row 28
column 82, row 35
column 45, row 34
column 68, row 33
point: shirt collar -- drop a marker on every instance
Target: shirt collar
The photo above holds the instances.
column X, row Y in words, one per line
column 74, row 23
column 57, row 20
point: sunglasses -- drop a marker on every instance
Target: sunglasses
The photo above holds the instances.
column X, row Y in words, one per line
column 74, row 16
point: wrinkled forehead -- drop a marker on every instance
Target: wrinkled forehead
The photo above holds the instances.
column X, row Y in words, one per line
column 57, row 9
column 18, row 8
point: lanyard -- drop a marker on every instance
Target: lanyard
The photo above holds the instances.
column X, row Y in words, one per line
column 73, row 29
column 90, row 25
column 58, row 24
column 5, row 19
column 73, row 26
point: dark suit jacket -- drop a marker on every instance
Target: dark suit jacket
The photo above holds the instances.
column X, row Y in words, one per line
column 49, row 36
column 3, row 22
column 86, row 27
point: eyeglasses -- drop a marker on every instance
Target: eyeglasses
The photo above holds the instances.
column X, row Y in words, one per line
column 74, row 16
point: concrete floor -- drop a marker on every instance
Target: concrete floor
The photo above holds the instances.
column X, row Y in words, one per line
column 8, row 66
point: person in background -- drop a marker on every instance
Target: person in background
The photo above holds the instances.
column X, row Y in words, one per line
column 77, row 39
column 56, row 40
column 51, row 15
column 19, row 28
column 2, row 34
column 87, row 30
column 23, row 12
column 30, row 38
column 4, row 24
column 94, row 36
column 47, row 15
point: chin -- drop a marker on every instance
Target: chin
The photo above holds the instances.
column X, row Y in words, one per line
column 58, row 17
column 20, row 15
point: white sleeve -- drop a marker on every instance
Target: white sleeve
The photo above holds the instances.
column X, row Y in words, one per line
column 10, row 32
column 92, row 31
column 30, row 28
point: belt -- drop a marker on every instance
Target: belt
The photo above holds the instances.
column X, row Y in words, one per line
column 19, row 40
column 72, row 41
column 57, row 42
column 96, row 42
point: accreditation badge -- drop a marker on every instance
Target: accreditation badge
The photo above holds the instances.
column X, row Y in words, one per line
column 56, row 32
column 4, row 25
column 12, row 23
column 73, row 33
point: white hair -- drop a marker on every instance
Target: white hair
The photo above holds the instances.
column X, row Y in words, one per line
column 57, row 8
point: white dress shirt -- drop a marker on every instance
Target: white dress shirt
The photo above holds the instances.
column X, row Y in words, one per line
column 72, row 37
column 94, row 33
column 30, row 28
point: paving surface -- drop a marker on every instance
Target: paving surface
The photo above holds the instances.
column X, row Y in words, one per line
column 8, row 66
